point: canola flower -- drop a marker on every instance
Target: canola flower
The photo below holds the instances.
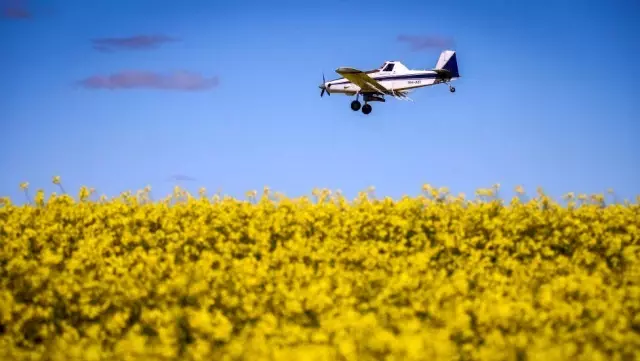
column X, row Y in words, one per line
column 432, row 277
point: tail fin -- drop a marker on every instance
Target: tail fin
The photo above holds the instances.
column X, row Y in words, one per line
column 449, row 62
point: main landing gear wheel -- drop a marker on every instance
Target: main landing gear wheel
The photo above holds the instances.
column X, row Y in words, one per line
column 355, row 105
column 366, row 109
column 452, row 89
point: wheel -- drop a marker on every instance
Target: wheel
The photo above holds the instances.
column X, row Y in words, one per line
column 355, row 105
column 452, row 89
column 366, row 109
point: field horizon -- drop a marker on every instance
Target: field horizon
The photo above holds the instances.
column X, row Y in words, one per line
column 493, row 193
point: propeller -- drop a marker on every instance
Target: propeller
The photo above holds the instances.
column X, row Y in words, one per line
column 324, row 87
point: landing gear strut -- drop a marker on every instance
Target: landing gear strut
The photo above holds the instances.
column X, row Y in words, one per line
column 366, row 108
column 448, row 82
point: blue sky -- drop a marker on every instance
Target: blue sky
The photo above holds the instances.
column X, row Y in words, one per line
column 548, row 97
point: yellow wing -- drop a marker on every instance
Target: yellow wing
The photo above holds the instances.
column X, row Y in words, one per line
column 366, row 83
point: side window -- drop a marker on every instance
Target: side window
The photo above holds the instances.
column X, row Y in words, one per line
column 389, row 67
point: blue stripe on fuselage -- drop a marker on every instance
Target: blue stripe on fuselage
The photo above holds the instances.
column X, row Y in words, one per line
column 397, row 77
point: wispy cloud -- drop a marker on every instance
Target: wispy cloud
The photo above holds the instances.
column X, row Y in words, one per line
column 14, row 9
column 181, row 177
column 141, row 79
column 138, row 42
column 422, row 42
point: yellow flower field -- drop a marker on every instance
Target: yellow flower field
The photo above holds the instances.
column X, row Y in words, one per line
column 432, row 277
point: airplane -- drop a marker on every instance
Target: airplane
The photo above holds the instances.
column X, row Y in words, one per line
column 392, row 78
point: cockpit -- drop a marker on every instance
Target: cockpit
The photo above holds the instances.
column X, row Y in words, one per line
column 388, row 66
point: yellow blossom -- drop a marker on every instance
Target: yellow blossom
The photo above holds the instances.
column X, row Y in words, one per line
column 294, row 279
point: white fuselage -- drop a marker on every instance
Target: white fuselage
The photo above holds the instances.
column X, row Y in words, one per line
column 395, row 81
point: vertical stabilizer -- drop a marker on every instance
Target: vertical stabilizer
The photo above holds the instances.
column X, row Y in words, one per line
column 449, row 62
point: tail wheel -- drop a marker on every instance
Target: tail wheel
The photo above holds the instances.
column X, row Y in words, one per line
column 366, row 109
column 452, row 89
column 355, row 105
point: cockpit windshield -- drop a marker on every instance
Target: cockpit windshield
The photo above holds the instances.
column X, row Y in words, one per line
column 389, row 67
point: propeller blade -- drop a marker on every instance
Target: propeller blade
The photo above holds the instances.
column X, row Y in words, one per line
column 324, row 87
